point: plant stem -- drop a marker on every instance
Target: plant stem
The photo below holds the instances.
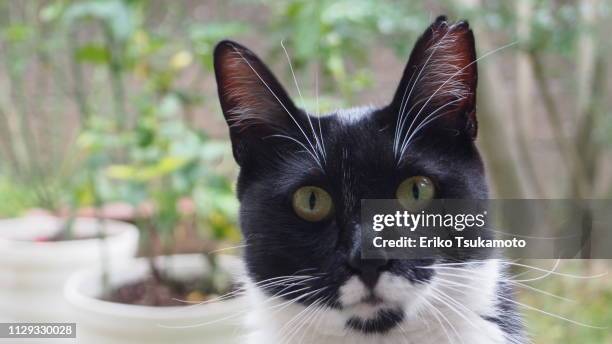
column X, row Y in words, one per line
column 78, row 81
column 115, row 73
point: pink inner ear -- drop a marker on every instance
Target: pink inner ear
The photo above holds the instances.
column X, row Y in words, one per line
column 448, row 70
column 249, row 101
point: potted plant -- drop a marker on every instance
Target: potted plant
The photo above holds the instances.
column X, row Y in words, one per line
column 135, row 147
column 42, row 240
column 163, row 297
column 39, row 249
column 37, row 258
column 187, row 317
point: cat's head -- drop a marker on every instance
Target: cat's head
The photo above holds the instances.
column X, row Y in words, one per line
column 302, row 176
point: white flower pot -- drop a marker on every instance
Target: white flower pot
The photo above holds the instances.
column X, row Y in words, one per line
column 103, row 322
column 33, row 274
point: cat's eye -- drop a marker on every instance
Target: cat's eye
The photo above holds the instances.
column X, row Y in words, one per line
column 415, row 193
column 312, row 203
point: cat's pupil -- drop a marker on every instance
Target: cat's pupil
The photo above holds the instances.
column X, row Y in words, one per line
column 415, row 191
column 312, row 200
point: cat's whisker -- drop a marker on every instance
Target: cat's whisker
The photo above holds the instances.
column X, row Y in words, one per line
column 322, row 308
column 288, row 286
column 514, row 263
column 300, row 319
column 409, row 132
column 548, row 272
column 474, row 262
column 317, row 142
column 512, row 278
column 319, row 110
column 306, row 322
column 303, row 320
column 288, row 324
column 544, row 276
column 430, row 118
column 463, row 285
column 315, row 158
column 228, row 248
column 459, row 71
column 241, row 313
column 434, row 49
column 241, row 290
column 435, row 311
column 297, row 124
column 292, row 73
column 402, row 115
column 519, row 284
column 439, row 295
column 603, row 274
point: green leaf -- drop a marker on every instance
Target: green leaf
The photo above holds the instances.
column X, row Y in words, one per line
column 18, row 33
column 122, row 172
column 93, row 53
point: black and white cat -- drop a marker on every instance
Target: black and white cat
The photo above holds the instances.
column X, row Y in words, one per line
column 301, row 181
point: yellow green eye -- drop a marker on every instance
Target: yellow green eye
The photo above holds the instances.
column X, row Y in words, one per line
column 312, row 203
column 415, row 193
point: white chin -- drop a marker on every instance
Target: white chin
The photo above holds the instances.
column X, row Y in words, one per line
column 392, row 292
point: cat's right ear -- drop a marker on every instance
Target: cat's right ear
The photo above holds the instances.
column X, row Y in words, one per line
column 254, row 103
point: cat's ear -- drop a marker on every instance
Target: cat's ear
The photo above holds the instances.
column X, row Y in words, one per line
column 254, row 103
column 439, row 81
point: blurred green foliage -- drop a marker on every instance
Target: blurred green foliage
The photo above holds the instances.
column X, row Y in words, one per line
column 134, row 145
column 160, row 157
column 589, row 303
column 334, row 36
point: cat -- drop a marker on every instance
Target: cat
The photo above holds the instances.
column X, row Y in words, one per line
column 300, row 184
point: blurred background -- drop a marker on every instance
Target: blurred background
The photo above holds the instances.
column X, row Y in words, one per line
column 109, row 109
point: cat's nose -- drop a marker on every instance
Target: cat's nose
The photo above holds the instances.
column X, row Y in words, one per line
column 368, row 270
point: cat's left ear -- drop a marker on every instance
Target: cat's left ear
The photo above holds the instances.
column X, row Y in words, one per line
column 439, row 81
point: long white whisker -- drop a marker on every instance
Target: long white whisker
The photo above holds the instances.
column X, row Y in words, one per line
column 319, row 112
column 438, row 295
column 304, row 316
column 314, row 157
column 548, row 273
column 526, row 286
column 463, row 285
column 239, row 314
column 277, row 99
column 454, row 75
column 431, row 310
column 557, row 273
column 402, row 115
column 435, row 309
column 425, row 122
column 317, row 143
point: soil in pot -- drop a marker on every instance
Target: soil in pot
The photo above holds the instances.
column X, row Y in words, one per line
column 165, row 293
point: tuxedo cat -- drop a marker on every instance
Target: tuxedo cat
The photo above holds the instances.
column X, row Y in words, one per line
column 300, row 184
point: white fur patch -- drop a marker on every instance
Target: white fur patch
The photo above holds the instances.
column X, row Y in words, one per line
column 276, row 321
column 353, row 115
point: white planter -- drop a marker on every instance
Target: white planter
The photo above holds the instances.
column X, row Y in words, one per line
column 103, row 322
column 33, row 274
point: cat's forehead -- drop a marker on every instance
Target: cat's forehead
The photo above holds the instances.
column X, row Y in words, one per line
column 353, row 115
